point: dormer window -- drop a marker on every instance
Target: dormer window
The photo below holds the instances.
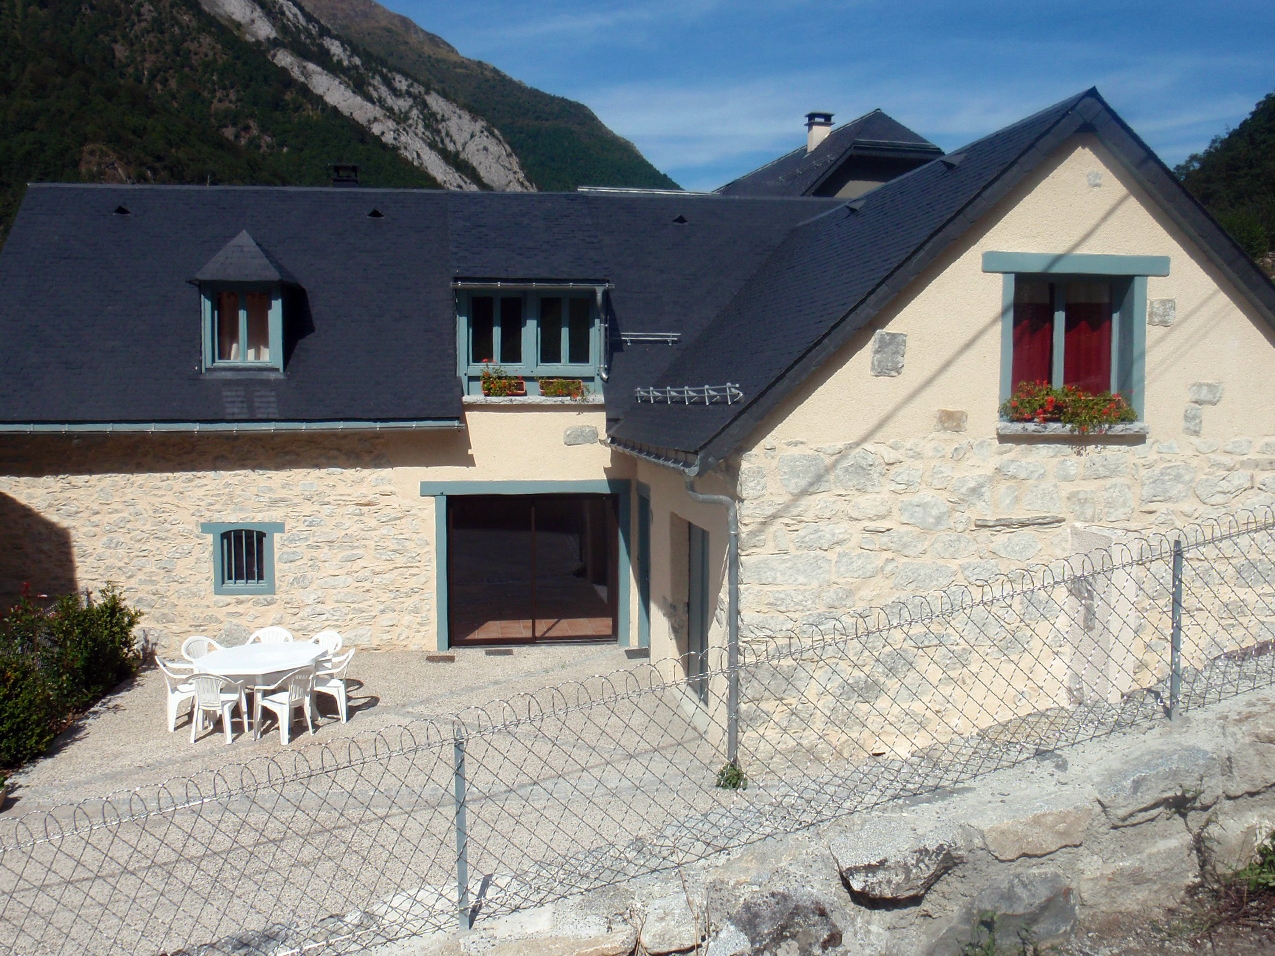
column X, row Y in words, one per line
column 242, row 292
column 546, row 331
column 243, row 326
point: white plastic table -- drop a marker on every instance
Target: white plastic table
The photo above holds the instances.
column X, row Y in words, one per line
column 259, row 665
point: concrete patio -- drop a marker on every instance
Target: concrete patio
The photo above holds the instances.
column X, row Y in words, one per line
column 123, row 744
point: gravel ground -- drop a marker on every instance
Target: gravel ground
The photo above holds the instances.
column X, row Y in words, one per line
column 123, row 744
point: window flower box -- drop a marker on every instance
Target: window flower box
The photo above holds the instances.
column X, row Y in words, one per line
column 497, row 383
column 561, row 388
column 1068, row 409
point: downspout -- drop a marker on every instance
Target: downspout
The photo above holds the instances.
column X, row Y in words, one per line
column 732, row 609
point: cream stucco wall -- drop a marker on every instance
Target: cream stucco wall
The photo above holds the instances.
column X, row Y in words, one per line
column 671, row 512
column 853, row 495
column 358, row 549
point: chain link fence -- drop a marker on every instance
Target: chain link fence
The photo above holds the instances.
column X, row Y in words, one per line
column 338, row 848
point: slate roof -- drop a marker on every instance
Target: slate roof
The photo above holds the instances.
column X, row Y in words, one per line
column 109, row 323
column 101, row 324
column 801, row 173
column 833, row 274
column 242, row 260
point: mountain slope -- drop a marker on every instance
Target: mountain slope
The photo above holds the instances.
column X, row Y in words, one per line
column 457, row 148
column 1235, row 178
column 560, row 143
column 115, row 91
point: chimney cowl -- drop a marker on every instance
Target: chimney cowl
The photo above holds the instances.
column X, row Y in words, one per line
column 345, row 174
column 818, row 126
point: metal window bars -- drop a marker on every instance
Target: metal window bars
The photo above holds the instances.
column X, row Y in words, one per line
column 726, row 394
column 421, row 828
column 243, row 557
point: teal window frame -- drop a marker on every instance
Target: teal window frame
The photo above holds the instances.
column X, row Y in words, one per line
column 208, row 296
column 1128, row 277
column 217, row 529
column 530, row 368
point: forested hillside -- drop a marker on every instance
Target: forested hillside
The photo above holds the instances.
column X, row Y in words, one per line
column 1235, row 178
column 115, row 91
column 262, row 91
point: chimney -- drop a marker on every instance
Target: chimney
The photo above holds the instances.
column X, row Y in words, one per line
column 345, row 174
column 818, row 126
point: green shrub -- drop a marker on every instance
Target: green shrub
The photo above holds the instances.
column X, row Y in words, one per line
column 57, row 662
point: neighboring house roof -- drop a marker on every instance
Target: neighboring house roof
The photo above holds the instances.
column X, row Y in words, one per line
column 102, row 324
column 833, row 274
column 802, row 173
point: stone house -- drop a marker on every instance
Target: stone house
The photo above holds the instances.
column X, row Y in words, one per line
column 253, row 406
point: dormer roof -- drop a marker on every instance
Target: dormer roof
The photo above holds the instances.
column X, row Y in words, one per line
column 242, row 260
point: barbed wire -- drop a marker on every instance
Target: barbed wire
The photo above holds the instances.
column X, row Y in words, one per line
column 429, row 825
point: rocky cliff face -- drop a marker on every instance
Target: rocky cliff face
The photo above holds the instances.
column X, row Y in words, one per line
column 457, row 148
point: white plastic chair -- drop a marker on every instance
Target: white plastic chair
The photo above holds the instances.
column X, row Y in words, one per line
column 193, row 648
column 283, row 698
column 180, row 689
column 220, row 696
column 329, row 679
column 330, row 641
column 271, row 635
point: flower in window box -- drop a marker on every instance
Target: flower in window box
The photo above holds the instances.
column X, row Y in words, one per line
column 562, row 388
column 1082, row 411
column 497, row 383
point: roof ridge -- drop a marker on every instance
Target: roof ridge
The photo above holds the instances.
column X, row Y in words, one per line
column 799, row 149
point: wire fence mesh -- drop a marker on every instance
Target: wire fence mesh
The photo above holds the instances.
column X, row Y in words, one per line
column 339, row 848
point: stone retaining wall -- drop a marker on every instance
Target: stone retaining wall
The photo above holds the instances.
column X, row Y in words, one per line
column 1082, row 845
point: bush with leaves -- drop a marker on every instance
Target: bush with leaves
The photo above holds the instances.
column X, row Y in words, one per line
column 58, row 661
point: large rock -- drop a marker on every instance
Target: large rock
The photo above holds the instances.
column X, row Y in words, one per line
column 1019, row 546
column 1021, row 470
column 1037, row 835
column 803, row 474
column 1205, row 393
column 778, row 922
column 1112, row 464
column 888, row 350
column 1213, row 490
column 580, row 435
column 952, row 545
column 857, row 564
column 1158, row 781
column 925, row 511
column 973, row 491
column 806, row 567
column 917, row 577
column 900, row 878
column 1039, row 905
column 1169, row 483
column 666, row 924
column 861, row 470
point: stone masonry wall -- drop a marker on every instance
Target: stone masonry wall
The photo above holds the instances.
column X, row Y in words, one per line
column 828, row 529
column 356, row 553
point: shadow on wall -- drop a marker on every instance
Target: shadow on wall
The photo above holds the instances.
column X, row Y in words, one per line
column 33, row 551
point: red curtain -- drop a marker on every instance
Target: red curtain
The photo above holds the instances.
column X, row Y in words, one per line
column 1087, row 353
column 1033, row 333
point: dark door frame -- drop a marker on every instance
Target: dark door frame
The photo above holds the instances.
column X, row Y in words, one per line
column 440, row 490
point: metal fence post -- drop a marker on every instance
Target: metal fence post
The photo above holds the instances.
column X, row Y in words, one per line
column 1175, row 647
column 462, row 832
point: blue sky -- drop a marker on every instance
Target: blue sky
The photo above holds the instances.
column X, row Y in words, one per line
column 709, row 89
